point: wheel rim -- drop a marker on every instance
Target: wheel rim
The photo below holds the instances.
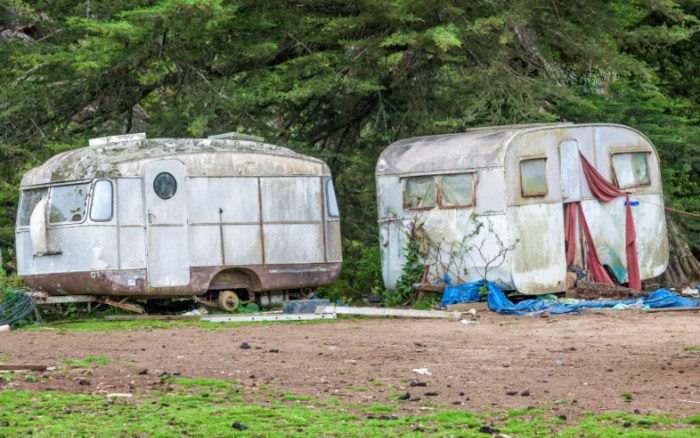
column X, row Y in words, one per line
column 228, row 301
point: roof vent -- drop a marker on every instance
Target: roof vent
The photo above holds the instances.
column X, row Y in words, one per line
column 236, row 136
column 102, row 141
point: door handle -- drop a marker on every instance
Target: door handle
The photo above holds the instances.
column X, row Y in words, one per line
column 151, row 217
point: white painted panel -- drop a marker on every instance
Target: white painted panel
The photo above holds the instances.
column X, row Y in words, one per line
column 570, row 171
column 23, row 246
column 237, row 197
column 130, row 201
column 490, row 191
column 78, row 248
column 539, row 258
column 293, row 243
column 242, row 244
column 132, row 247
column 167, row 230
column 291, row 199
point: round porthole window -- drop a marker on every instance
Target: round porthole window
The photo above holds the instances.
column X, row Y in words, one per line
column 165, row 185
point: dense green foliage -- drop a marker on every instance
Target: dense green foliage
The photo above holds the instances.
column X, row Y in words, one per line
column 341, row 79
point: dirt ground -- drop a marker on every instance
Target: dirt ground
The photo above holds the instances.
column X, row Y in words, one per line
column 566, row 364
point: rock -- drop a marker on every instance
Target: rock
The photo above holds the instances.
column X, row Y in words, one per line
column 525, row 393
column 245, row 346
column 275, row 350
column 238, row 426
column 143, row 372
column 5, row 424
column 488, row 429
column 418, row 383
column 405, row 396
column 562, row 417
column 511, row 392
column 431, row 394
column 84, row 382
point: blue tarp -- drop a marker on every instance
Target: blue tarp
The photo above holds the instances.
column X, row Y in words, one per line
column 498, row 302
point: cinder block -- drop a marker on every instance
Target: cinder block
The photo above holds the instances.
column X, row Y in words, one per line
column 304, row 306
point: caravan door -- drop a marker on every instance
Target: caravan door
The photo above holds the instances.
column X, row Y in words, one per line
column 167, row 246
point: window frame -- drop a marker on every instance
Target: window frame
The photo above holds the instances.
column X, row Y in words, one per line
column 23, row 200
column 637, row 184
column 50, row 198
column 439, row 191
column 437, row 182
column 92, row 200
column 546, row 179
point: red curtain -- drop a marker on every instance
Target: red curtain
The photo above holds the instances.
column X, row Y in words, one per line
column 605, row 192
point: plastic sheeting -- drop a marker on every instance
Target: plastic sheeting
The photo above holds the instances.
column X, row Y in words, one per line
column 462, row 293
column 498, row 302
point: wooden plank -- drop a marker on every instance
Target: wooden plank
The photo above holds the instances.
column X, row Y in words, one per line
column 18, row 367
column 43, row 298
column 122, row 305
column 277, row 317
column 674, row 309
column 381, row 311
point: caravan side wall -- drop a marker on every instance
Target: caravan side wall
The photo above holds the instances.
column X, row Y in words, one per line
column 539, row 260
column 281, row 229
column 450, row 228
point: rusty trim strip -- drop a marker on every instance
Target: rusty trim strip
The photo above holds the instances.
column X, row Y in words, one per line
column 260, row 212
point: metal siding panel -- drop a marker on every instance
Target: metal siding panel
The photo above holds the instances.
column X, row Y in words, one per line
column 237, row 197
column 334, row 241
column 104, row 247
column 539, row 258
column 129, row 193
column 205, row 245
column 570, row 171
column 291, row 199
column 25, row 260
column 132, row 248
column 242, row 245
column 293, row 243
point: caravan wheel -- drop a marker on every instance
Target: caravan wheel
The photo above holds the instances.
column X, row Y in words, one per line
column 227, row 300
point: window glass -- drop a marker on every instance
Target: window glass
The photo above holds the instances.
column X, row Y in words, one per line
column 457, row 190
column 331, row 200
column 165, row 185
column 68, row 203
column 419, row 192
column 631, row 170
column 101, row 209
column 29, row 200
column 533, row 177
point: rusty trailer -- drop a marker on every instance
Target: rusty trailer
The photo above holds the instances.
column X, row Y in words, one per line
column 160, row 218
column 503, row 190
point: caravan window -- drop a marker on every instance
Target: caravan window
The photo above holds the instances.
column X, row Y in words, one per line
column 419, row 192
column 68, row 203
column 333, row 209
column 631, row 170
column 101, row 210
column 457, row 190
column 533, row 177
column 29, row 200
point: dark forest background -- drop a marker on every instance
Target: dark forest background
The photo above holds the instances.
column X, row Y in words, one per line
column 340, row 80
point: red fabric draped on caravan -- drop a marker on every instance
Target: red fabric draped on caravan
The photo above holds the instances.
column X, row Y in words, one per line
column 598, row 273
column 606, row 192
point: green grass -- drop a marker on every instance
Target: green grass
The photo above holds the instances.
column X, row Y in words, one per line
column 54, row 414
column 692, row 348
column 209, row 383
column 98, row 325
column 84, row 363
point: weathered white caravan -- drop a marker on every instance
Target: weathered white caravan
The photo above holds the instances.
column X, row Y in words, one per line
column 147, row 218
column 516, row 182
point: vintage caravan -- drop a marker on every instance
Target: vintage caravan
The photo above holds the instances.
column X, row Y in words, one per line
column 154, row 218
column 496, row 197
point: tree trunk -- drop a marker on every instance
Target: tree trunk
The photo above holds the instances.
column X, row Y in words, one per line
column 683, row 268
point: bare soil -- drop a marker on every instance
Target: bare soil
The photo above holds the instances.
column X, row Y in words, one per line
column 567, row 364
